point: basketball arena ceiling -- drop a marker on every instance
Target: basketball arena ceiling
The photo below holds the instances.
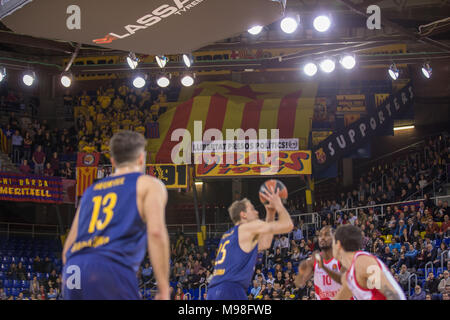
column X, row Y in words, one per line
column 148, row 27
column 49, row 30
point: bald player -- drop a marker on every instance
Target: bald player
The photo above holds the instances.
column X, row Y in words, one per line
column 327, row 271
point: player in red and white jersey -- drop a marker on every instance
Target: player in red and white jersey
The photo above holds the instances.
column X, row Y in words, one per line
column 327, row 270
column 367, row 278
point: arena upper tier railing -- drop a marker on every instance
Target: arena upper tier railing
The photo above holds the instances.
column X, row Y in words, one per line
column 381, row 207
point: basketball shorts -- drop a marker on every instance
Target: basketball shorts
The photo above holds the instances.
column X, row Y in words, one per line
column 226, row 291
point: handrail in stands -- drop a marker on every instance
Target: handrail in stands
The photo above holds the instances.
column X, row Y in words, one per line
column 442, row 258
column 426, row 268
column 203, row 285
column 409, row 283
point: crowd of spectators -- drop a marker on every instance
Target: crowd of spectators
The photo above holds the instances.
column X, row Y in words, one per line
column 99, row 115
column 38, row 149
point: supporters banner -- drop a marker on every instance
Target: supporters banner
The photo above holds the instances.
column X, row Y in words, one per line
column 359, row 133
column 28, row 188
column 227, row 105
column 289, row 163
column 244, row 145
column 85, row 177
column 172, row 175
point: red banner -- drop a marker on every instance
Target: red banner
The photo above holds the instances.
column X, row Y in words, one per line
column 88, row 159
column 28, row 188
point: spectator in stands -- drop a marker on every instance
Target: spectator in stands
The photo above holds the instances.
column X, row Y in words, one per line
column 444, row 284
column 34, row 286
column 419, row 294
column 54, row 162
column 12, row 272
column 3, row 294
column 21, row 271
column 403, row 276
column 27, row 146
column 24, row 167
column 431, row 284
column 48, row 171
column 42, row 295
column 37, row 265
column 67, row 171
column 147, row 272
column 17, row 142
column 39, row 161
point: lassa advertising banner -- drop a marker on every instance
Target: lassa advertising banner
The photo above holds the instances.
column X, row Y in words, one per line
column 359, row 133
column 18, row 187
column 283, row 163
column 172, row 175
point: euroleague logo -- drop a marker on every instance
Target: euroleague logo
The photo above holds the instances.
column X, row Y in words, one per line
column 150, row 19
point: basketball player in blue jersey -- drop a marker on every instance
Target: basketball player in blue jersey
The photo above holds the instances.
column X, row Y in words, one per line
column 117, row 218
column 236, row 257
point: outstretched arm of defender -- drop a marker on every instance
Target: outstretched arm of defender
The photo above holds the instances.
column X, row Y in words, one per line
column 305, row 272
column 158, row 237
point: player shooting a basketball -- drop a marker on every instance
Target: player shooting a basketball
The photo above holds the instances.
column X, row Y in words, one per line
column 236, row 257
column 117, row 218
column 326, row 269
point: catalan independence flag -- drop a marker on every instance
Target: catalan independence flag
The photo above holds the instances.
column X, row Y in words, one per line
column 230, row 105
column 85, row 177
column 5, row 142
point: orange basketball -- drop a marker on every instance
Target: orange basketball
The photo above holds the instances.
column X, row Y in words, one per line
column 277, row 185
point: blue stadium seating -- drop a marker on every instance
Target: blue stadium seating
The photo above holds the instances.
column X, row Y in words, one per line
column 7, row 283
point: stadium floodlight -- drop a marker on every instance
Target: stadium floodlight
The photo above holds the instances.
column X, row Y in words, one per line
column 322, row 23
column 163, row 81
column 188, row 60
column 289, row 24
column 187, row 80
column 161, row 61
column 139, row 81
column 426, row 70
column 310, row 69
column 66, row 79
column 28, row 78
column 132, row 60
column 393, row 71
column 327, row 65
column 348, row 61
column 403, row 128
column 255, row 30
column 2, row 73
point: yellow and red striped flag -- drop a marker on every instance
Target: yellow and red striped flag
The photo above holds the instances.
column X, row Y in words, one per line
column 85, row 177
column 230, row 105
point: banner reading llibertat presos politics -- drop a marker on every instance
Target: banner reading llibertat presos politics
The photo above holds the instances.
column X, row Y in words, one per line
column 360, row 132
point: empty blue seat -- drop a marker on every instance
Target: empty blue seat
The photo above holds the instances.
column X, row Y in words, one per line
column 2, row 275
column 7, row 291
column 7, row 283
column 15, row 292
column 17, row 284
column 25, row 284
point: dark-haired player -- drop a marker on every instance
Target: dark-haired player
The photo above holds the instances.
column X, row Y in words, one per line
column 236, row 257
column 327, row 270
column 117, row 218
column 367, row 278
